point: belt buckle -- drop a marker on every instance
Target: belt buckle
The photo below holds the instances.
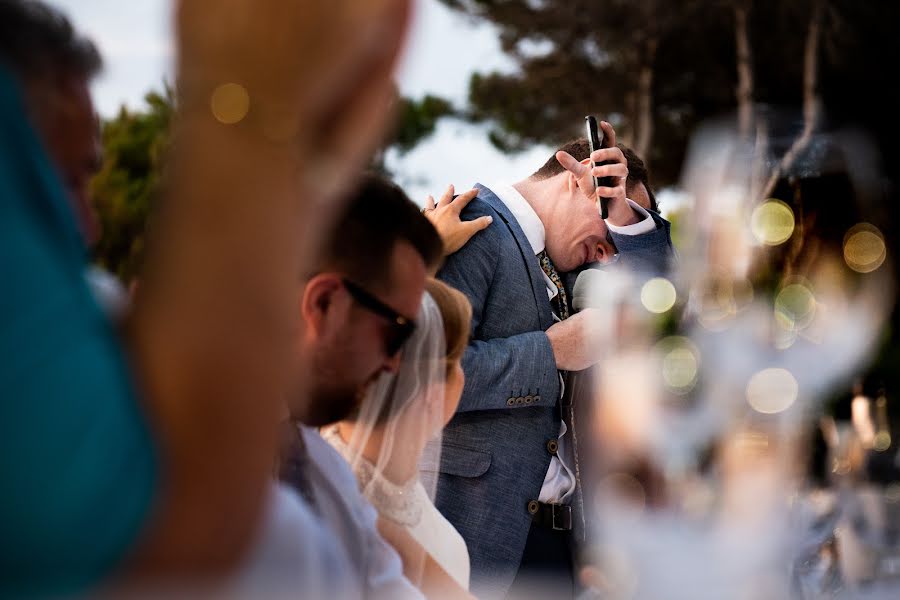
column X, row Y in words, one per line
column 564, row 512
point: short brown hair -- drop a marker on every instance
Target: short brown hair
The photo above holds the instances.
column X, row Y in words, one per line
column 637, row 173
column 580, row 150
column 376, row 216
column 456, row 313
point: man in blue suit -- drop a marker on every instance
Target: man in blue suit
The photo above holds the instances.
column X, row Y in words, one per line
column 508, row 472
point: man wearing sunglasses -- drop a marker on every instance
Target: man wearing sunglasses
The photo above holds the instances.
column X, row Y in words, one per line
column 357, row 310
column 361, row 303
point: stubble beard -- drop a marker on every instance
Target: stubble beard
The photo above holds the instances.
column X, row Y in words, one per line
column 331, row 404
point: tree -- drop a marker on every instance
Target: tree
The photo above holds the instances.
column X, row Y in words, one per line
column 610, row 58
column 124, row 190
column 135, row 146
column 414, row 121
column 656, row 69
column 744, row 58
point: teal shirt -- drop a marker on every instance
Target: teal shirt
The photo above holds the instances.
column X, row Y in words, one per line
column 77, row 461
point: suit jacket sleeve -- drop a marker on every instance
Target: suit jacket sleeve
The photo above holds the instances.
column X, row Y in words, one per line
column 501, row 372
column 650, row 253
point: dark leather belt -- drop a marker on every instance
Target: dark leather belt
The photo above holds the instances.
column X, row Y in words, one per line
column 557, row 517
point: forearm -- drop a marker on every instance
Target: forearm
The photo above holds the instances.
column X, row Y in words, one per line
column 512, row 368
column 648, row 252
column 419, row 567
column 211, row 339
column 437, row 583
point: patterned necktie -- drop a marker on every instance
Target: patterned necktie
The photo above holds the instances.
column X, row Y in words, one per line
column 567, row 406
column 560, row 302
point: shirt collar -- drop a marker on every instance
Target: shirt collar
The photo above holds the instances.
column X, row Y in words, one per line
column 530, row 223
column 525, row 216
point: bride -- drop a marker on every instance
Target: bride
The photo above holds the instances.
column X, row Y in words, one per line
column 398, row 426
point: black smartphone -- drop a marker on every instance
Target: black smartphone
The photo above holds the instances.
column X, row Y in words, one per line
column 597, row 140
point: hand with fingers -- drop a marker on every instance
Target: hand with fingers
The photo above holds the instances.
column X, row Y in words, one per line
column 620, row 212
column 445, row 217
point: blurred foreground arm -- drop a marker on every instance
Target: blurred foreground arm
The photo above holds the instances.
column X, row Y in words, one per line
column 255, row 173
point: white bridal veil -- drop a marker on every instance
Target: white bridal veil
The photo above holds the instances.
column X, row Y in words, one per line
column 407, row 410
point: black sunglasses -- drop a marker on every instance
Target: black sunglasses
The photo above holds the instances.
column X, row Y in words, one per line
column 401, row 327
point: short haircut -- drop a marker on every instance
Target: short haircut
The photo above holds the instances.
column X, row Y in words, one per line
column 39, row 44
column 376, row 217
column 637, row 173
column 580, row 149
column 456, row 313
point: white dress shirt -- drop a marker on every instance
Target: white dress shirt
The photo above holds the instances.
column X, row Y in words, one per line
column 559, row 483
column 377, row 568
column 293, row 553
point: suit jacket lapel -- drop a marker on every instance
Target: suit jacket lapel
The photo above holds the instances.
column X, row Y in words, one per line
column 538, row 287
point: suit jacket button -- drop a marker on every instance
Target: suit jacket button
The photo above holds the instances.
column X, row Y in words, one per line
column 533, row 507
column 510, row 401
column 552, row 447
column 537, row 398
column 529, row 399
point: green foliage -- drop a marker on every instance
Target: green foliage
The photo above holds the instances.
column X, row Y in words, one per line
column 580, row 57
column 595, row 49
column 124, row 190
column 418, row 119
column 414, row 121
column 135, row 143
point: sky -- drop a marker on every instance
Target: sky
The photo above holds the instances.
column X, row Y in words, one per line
column 442, row 51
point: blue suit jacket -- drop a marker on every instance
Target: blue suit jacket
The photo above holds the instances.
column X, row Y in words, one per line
column 494, row 456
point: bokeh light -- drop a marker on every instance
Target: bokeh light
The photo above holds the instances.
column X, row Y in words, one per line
column 772, row 222
column 680, row 363
column 230, row 103
column 772, row 391
column 892, row 493
column 882, row 441
column 795, row 306
column 658, row 295
column 864, row 248
column 719, row 298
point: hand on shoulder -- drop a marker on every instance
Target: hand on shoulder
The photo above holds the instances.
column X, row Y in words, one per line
column 445, row 216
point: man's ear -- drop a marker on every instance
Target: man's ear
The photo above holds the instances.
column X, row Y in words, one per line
column 587, row 167
column 574, row 166
column 320, row 295
column 572, row 182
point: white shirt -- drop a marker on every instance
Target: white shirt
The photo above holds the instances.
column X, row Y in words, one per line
column 342, row 509
column 293, row 551
column 559, row 483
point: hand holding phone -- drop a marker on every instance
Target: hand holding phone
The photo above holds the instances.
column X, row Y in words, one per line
column 597, row 140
